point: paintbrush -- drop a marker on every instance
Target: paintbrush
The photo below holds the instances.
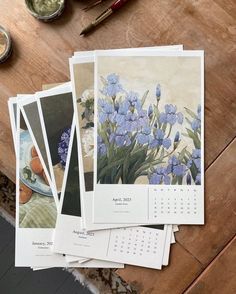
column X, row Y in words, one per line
column 93, row 5
column 113, row 8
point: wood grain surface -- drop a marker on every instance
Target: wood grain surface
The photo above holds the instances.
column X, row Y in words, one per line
column 219, row 277
column 41, row 52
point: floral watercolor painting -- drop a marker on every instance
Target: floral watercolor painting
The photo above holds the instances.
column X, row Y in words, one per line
column 85, row 106
column 140, row 142
column 86, row 114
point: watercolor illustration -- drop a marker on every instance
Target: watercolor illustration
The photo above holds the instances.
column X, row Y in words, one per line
column 86, row 127
column 140, row 142
column 37, row 207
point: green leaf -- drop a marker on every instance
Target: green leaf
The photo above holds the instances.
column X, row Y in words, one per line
column 185, row 160
column 137, row 162
column 118, row 176
column 164, row 127
column 162, row 154
column 174, row 180
column 155, row 110
column 144, row 97
column 188, row 120
column 182, row 154
column 104, row 81
column 188, row 153
column 146, row 167
column 152, row 169
column 111, row 165
column 89, row 125
column 194, row 171
column 185, row 135
column 180, row 180
column 194, row 137
column 191, row 113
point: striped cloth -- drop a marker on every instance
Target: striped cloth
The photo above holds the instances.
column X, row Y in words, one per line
column 39, row 212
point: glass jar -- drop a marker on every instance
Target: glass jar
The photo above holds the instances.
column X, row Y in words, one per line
column 5, row 44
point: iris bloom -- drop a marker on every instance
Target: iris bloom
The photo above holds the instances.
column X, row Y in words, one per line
column 101, row 147
column 133, row 99
column 144, row 136
column 113, row 86
column 196, row 123
column 107, row 111
column 159, row 140
column 158, row 176
column 120, row 138
column 170, row 115
column 175, row 167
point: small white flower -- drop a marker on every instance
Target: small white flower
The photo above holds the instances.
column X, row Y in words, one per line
column 88, row 142
column 87, row 94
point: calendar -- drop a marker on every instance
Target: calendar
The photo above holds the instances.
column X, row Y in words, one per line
column 151, row 243
column 149, row 152
column 137, row 246
column 176, row 204
column 141, row 246
column 82, row 78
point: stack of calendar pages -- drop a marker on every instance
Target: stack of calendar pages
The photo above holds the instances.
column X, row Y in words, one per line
column 111, row 162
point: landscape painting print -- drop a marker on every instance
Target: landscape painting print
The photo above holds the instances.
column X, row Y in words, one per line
column 149, row 125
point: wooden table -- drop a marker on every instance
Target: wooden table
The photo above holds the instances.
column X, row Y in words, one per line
column 204, row 258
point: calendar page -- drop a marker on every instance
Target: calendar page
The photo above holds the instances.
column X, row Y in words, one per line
column 82, row 78
column 56, row 114
column 34, row 226
column 118, row 245
column 70, row 238
column 149, row 137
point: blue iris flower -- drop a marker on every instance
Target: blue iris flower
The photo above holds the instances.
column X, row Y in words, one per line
column 196, row 155
column 158, row 91
column 150, row 111
column 196, row 123
column 188, row 179
column 107, row 111
column 144, row 136
column 116, row 106
column 133, row 99
column 159, row 140
column 101, row 147
column 121, row 113
column 195, row 158
column 177, row 136
column 158, row 176
column 170, row 115
column 113, row 86
column 175, row 167
column 142, row 118
column 120, row 137
column 198, row 179
column 131, row 122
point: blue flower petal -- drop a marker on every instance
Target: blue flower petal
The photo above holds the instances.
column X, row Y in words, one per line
column 166, row 143
column 180, row 118
column 155, row 179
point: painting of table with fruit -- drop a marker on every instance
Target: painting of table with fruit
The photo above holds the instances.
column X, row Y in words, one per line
column 37, row 205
